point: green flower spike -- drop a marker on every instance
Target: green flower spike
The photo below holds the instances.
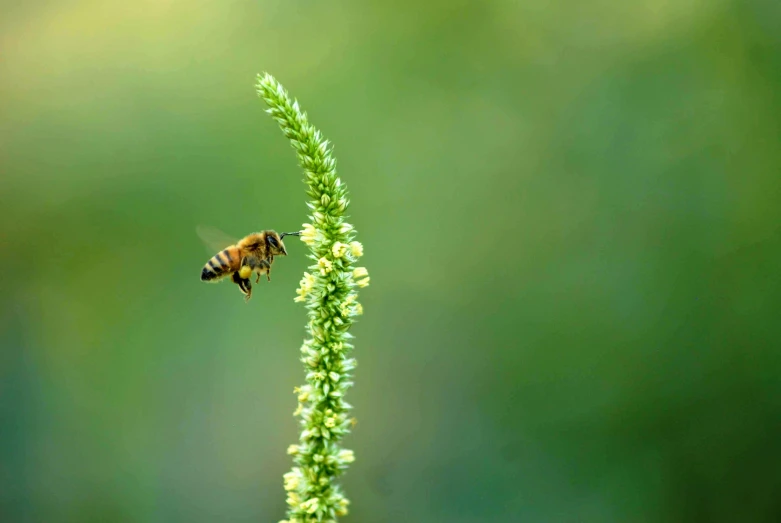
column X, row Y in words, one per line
column 329, row 290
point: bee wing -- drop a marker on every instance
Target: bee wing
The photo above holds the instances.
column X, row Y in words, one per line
column 214, row 239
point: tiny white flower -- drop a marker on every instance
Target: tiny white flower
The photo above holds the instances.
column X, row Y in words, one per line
column 310, row 505
column 339, row 249
column 303, row 394
column 309, row 234
column 341, row 506
column 346, row 455
column 357, row 249
column 344, row 308
column 306, row 285
column 325, row 266
column 293, row 499
column 292, row 479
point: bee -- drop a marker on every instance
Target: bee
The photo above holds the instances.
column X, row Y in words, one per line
column 240, row 259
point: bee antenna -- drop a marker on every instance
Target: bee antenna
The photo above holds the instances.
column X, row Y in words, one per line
column 282, row 235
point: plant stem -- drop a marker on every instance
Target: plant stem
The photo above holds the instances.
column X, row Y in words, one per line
column 329, row 290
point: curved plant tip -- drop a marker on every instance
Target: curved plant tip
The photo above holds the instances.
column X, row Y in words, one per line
column 330, row 291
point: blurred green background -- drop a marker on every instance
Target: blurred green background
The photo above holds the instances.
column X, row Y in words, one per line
column 570, row 213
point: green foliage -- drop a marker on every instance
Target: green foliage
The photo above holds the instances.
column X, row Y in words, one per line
column 331, row 299
column 571, row 210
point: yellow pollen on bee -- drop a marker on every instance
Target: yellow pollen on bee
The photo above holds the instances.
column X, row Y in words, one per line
column 245, row 272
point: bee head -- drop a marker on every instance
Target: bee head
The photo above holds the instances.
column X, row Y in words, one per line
column 275, row 245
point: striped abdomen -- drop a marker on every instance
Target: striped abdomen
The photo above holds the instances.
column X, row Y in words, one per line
column 222, row 264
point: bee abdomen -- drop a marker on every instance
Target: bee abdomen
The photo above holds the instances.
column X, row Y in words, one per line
column 218, row 266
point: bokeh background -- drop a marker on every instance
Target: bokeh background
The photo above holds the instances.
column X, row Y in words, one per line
column 570, row 213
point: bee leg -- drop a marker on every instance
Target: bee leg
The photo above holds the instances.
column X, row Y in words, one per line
column 265, row 265
column 245, row 286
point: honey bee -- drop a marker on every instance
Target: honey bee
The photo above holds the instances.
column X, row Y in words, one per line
column 240, row 259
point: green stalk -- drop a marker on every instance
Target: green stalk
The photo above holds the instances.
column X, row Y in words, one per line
column 330, row 293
